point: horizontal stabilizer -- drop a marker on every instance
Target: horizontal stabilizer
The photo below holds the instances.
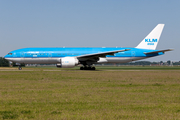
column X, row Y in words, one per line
column 158, row 51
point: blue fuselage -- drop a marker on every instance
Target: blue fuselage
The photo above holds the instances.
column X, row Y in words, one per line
column 49, row 55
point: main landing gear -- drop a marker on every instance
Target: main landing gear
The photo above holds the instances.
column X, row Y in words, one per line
column 87, row 68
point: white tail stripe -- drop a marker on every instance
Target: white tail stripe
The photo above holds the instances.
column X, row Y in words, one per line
column 152, row 39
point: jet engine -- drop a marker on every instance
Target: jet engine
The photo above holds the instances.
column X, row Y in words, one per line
column 67, row 62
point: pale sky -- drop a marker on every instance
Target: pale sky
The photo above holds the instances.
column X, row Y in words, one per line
column 88, row 23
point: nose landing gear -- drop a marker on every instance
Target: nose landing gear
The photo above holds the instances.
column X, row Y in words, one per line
column 19, row 67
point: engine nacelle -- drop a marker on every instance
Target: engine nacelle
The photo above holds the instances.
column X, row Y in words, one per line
column 67, row 62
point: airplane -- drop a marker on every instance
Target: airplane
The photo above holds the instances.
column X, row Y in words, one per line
column 70, row 57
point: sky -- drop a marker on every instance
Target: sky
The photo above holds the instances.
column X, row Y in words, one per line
column 88, row 23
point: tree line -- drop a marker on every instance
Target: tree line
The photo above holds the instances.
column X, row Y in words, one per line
column 4, row 62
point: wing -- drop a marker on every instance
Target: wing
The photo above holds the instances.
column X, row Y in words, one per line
column 100, row 54
column 158, row 51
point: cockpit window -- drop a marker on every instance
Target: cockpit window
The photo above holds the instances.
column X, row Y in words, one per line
column 9, row 53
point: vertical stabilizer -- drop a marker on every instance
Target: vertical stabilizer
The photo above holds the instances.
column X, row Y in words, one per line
column 152, row 39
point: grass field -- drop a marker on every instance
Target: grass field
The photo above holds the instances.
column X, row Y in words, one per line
column 35, row 93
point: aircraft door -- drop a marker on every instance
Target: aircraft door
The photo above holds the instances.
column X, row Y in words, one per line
column 50, row 55
column 22, row 54
column 133, row 53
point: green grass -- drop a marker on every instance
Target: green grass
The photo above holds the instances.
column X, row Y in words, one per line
column 139, row 67
column 111, row 68
column 101, row 94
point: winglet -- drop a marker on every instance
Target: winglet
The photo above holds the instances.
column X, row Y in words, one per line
column 152, row 39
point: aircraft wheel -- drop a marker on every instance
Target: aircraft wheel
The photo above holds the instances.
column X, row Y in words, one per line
column 87, row 68
column 81, row 68
column 20, row 68
column 93, row 68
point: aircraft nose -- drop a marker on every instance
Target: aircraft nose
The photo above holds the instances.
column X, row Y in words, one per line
column 7, row 58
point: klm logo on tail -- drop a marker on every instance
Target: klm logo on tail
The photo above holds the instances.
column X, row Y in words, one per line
column 151, row 41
